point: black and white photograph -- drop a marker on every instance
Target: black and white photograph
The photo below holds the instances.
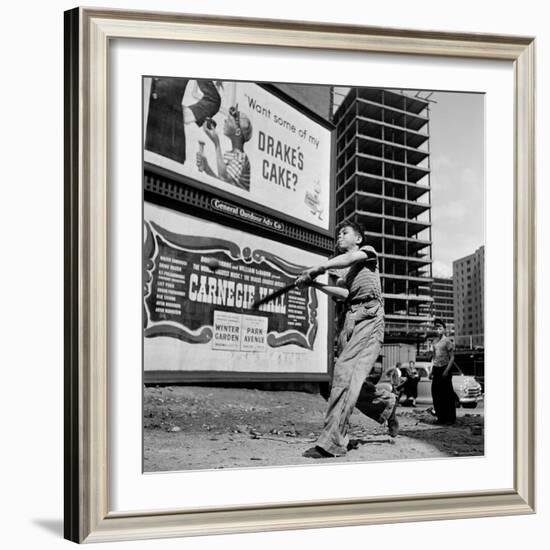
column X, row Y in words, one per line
column 313, row 274
column 275, row 274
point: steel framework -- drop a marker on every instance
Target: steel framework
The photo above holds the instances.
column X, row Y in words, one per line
column 383, row 183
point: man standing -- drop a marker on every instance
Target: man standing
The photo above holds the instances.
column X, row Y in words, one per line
column 360, row 339
column 167, row 117
column 443, row 394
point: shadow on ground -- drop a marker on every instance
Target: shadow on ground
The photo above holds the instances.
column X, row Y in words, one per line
column 464, row 438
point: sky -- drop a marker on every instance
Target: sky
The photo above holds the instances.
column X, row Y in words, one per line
column 457, row 121
column 457, row 177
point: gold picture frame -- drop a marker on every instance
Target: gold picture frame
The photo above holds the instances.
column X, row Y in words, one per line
column 87, row 40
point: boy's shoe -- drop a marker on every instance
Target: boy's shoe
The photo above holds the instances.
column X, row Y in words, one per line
column 317, row 452
column 393, row 426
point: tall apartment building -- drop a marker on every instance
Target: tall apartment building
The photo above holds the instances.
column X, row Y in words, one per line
column 383, row 183
column 444, row 302
column 468, row 291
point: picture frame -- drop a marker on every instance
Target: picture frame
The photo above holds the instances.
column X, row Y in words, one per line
column 88, row 36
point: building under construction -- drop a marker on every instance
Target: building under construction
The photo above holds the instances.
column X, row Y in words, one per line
column 383, row 183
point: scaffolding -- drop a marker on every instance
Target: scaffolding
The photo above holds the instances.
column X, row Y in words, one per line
column 383, row 183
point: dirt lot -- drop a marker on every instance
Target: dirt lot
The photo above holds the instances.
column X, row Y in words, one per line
column 190, row 428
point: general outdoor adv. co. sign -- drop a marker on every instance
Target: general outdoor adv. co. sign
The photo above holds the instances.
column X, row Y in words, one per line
column 197, row 318
column 242, row 139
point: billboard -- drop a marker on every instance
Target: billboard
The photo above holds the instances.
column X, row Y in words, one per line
column 199, row 319
column 243, row 140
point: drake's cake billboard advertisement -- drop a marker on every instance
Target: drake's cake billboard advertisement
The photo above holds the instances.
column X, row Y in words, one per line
column 244, row 140
column 197, row 318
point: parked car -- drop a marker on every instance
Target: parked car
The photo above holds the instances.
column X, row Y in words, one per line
column 467, row 389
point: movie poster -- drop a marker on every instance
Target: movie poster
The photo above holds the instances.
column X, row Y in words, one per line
column 200, row 318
